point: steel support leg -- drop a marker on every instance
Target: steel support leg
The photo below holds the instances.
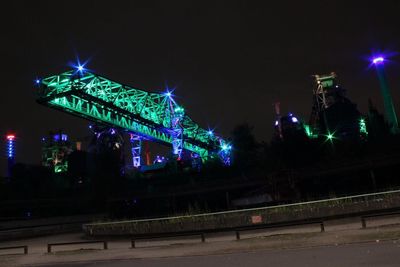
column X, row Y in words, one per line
column 136, row 142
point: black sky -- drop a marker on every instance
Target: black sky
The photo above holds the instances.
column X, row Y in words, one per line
column 229, row 61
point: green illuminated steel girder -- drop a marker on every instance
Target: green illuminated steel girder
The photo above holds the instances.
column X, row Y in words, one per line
column 148, row 114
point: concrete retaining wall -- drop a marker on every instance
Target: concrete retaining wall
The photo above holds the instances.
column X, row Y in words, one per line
column 11, row 230
column 239, row 218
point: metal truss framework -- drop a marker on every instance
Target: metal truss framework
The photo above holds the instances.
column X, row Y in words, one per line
column 153, row 116
column 136, row 142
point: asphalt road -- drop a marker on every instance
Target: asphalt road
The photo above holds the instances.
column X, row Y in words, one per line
column 366, row 254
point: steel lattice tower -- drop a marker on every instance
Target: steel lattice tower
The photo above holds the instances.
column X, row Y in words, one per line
column 325, row 94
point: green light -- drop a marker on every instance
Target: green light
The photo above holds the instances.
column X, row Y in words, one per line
column 309, row 132
column 363, row 127
column 179, row 110
column 330, row 137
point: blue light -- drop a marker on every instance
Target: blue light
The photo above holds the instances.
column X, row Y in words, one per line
column 294, row 120
column 210, row 132
column 56, row 137
column 80, row 67
column 168, row 94
column 378, row 60
column 10, row 146
column 37, row 81
column 225, row 147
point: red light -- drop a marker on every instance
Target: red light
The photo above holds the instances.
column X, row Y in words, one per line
column 10, row 137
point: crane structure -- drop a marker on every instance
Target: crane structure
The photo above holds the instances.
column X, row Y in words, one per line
column 144, row 115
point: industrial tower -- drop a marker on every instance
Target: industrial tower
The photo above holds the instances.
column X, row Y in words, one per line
column 333, row 114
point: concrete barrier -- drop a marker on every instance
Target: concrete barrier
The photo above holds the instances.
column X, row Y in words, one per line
column 16, row 247
column 49, row 246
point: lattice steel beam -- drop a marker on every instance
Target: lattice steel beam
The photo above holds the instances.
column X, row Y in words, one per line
column 151, row 115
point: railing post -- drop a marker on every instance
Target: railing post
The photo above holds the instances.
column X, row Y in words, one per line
column 363, row 222
column 25, row 249
column 203, row 238
column 133, row 243
column 48, row 248
column 105, row 244
column 237, row 235
column 322, row 227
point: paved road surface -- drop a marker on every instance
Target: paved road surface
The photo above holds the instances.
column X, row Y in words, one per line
column 366, row 254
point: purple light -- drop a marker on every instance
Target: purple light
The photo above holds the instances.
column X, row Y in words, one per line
column 378, row 60
column 112, row 131
column 56, row 137
column 295, row 120
column 158, row 159
column 276, row 123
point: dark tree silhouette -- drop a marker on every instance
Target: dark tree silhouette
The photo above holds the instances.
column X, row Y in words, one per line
column 245, row 147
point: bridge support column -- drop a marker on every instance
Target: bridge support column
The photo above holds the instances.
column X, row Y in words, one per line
column 225, row 153
column 177, row 143
column 177, row 139
column 196, row 161
column 226, row 158
column 136, row 142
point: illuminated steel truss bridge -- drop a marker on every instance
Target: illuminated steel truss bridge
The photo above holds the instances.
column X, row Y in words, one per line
column 145, row 115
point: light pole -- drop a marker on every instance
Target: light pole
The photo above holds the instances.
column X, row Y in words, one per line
column 387, row 97
column 10, row 153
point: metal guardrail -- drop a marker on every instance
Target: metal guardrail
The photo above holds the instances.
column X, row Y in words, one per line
column 363, row 218
column 105, row 244
column 16, row 247
column 237, row 231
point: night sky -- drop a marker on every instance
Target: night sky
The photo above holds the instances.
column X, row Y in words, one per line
column 228, row 61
